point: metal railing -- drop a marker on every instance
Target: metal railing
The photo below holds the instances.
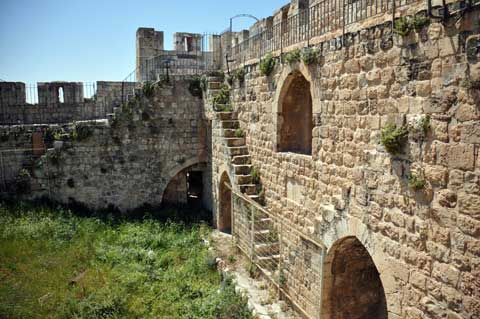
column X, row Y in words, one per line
column 319, row 19
column 169, row 64
column 267, row 240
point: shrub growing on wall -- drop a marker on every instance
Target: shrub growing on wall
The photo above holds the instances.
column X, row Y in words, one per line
column 22, row 182
column 195, row 87
column 240, row 73
column 223, row 96
column 267, row 64
column 81, row 131
column 310, row 56
column 419, row 126
column 293, row 56
column 148, row 89
column 239, row 133
column 393, row 138
column 416, row 181
column 402, row 26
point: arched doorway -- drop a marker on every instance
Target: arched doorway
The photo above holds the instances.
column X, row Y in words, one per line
column 225, row 205
column 352, row 288
column 295, row 115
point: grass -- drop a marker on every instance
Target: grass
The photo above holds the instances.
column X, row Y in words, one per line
column 54, row 264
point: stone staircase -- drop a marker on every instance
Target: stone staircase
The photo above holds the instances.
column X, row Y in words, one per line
column 266, row 248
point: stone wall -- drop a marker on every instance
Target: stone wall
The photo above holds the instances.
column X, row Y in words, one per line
column 423, row 243
column 74, row 107
column 123, row 163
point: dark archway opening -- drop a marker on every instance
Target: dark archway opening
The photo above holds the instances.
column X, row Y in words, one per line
column 225, row 205
column 352, row 288
column 184, row 195
column 296, row 117
column 195, row 189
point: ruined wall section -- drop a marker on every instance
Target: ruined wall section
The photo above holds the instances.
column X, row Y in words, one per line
column 123, row 163
column 52, row 107
column 423, row 242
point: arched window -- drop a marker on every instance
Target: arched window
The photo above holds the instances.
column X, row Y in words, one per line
column 352, row 287
column 225, row 204
column 61, row 98
column 295, row 116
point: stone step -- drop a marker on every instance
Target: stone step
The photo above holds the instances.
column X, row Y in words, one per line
column 215, row 78
column 231, row 124
column 237, row 150
column 269, row 262
column 235, row 141
column 267, row 249
column 241, row 160
column 249, row 189
column 226, row 116
column 214, row 85
column 243, row 179
column 229, row 132
column 262, row 222
column 262, row 236
column 242, row 169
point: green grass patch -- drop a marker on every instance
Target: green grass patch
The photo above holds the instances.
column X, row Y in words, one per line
column 54, row 264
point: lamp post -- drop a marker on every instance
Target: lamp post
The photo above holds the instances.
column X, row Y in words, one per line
column 243, row 15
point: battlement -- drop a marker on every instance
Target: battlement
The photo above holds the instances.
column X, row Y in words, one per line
column 192, row 52
column 59, row 101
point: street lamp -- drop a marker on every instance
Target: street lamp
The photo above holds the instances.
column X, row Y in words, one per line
column 243, row 15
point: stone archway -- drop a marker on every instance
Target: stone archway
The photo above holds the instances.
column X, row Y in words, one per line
column 225, row 204
column 295, row 116
column 352, row 288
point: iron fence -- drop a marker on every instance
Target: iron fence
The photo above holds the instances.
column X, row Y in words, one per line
column 319, row 19
column 269, row 242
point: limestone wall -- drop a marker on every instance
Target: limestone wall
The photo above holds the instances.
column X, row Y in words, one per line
column 14, row 108
column 424, row 243
column 122, row 163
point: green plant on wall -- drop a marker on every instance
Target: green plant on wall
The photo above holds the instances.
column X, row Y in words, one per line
column 393, row 138
column 218, row 73
column 223, row 96
column 81, row 131
column 60, row 135
column 293, row 56
column 239, row 133
column 22, row 182
column 419, row 127
column 402, row 26
column 419, row 21
column 148, row 88
column 267, row 64
column 310, row 56
column 204, row 83
column 239, row 74
column 255, row 174
column 195, row 86
column 416, row 181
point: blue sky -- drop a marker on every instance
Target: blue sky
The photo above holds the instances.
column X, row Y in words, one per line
column 89, row 40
